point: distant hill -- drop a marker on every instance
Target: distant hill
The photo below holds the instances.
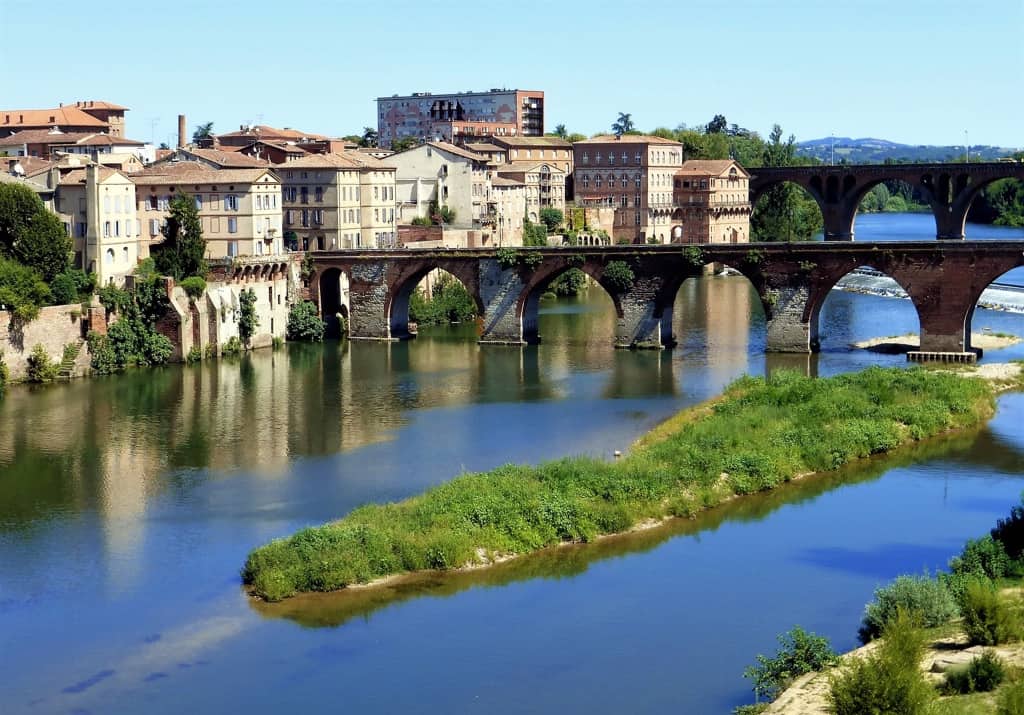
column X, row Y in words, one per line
column 876, row 151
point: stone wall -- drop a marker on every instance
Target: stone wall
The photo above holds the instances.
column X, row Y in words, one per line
column 56, row 326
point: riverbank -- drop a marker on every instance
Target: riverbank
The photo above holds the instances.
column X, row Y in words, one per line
column 759, row 434
column 897, row 344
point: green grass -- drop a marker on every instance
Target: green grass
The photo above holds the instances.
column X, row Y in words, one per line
column 759, row 434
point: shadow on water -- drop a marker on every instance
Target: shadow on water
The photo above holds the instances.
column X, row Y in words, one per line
column 319, row 610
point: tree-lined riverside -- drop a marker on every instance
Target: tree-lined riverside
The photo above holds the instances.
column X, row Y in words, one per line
column 759, row 434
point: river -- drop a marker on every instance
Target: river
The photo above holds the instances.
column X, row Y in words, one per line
column 128, row 504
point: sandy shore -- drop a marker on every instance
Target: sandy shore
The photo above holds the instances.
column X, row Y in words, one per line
column 896, row 344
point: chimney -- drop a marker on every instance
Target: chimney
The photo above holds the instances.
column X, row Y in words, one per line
column 181, row 131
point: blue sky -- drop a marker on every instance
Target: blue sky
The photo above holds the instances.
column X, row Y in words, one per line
column 914, row 71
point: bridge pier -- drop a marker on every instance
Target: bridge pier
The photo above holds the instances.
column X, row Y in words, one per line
column 789, row 331
column 640, row 323
column 500, row 293
column 837, row 220
column 368, row 299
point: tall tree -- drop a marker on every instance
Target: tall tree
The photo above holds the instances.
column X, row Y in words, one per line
column 717, row 125
column 369, row 137
column 624, row 124
column 560, row 131
column 30, row 234
column 784, row 212
column 403, row 143
column 182, row 254
column 202, row 132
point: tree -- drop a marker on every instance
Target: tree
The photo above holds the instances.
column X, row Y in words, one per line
column 403, row 143
column 717, row 125
column 369, row 138
column 30, row 234
column 560, row 131
column 623, row 125
column 575, row 137
column 164, row 145
column 247, row 317
column 552, row 218
column 203, row 132
column 784, row 212
column 182, row 253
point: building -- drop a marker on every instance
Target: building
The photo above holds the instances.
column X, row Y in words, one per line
column 249, row 133
column 544, row 184
column 46, row 143
column 240, row 209
column 98, row 208
column 340, row 200
column 446, row 175
column 460, row 117
column 85, row 117
column 712, row 202
column 213, row 158
column 550, row 149
column 633, row 174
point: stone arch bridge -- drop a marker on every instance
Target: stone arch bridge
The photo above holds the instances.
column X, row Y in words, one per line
column 949, row 188
column 943, row 280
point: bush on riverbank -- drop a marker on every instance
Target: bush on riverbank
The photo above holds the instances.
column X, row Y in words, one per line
column 304, row 323
column 761, row 433
column 926, row 596
column 449, row 302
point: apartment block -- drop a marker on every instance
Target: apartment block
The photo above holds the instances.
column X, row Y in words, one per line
column 240, row 209
column 544, row 185
column 448, row 175
column 339, row 200
column 460, row 117
column 86, row 117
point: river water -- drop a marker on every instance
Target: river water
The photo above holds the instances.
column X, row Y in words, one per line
column 128, row 504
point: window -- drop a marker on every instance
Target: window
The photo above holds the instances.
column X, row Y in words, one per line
column 597, row 181
column 124, row 253
column 164, row 203
column 625, row 181
column 611, row 159
column 106, row 229
column 597, row 159
column 305, row 195
column 154, row 227
column 637, row 218
column 232, row 248
column 106, row 204
column 288, row 216
column 305, row 217
column 109, row 257
column 232, row 225
column 319, row 195
column 639, row 159
column 638, row 179
column 199, row 202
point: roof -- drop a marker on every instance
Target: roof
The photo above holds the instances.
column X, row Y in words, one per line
column 97, row 104
column 283, row 146
column 263, row 131
column 77, row 176
column 480, row 147
column 525, row 167
column 546, row 142
column 226, row 159
column 193, row 172
column 709, row 167
column 499, row 181
column 61, row 116
column 627, row 139
column 458, row 151
column 107, row 140
column 48, row 136
column 336, row 160
column 6, row 178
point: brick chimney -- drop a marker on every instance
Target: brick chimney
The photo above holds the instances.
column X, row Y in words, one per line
column 181, row 131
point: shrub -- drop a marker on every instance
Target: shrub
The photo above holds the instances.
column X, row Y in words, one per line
column 156, row 349
column 1010, row 532
column 114, row 299
column 63, row 289
column 983, row 557
column 1011, row 699
column 450, row 302
column 928, row 597
column 247, row 319
column 103, row 360
column 534, row 234
column 40, row 368
column 694, row 256
column 277, row 342
column 572, row 282
column 211, row 351
column 988, row 620
column 507, row 257
column 5, row 372
column 618, row 276
column 194, row 355
column 983, row 674
column 22, row 290
column 551, row 218
column 800, row 652
column 888, row 680
column 194, row 287
column 232, row 347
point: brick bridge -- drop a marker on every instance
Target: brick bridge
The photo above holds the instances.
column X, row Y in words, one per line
column 949, row 188
column 943, row 280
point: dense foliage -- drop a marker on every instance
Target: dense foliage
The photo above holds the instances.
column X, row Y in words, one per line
column 785, row 212
column 31, row 235
column 182, row 253
column 304, row 323
column 448, row 302
column 22, row 289
column 761, row 433
column 194, row 287
column 926, row 596
column 572, row 282
column 534, row 234
column 247, row 318
column 983, row 674
column 552, row 219
column 39, row 367
column 799, row 652
column 618, row 276
column 132, row 339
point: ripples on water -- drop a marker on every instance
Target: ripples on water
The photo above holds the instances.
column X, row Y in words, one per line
column 128, row 503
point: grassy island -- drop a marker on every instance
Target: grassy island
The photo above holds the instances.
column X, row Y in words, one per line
column 757, row 435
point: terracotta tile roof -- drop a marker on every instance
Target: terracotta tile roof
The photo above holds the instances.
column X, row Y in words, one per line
column 627, row 139
column 481, row 147
column 262, row 131
column 505, row 181
column 226, row 159
column 459, row 151
column 43, row 136
column 77, row 176
column 32, row 165
column 97, row 104
column 337, row 160
column 193, row 172
column 39, row 188
column 107, row 140
column 33, row 118
column 711, row 167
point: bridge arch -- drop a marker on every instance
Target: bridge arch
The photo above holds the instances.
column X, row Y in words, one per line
column 814, row 187
column 332, row 291
column 1002, row 295
column 396, row 305
column 528, row 305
